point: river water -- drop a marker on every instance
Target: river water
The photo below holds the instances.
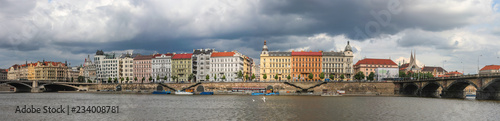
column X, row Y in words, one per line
column 242, row 107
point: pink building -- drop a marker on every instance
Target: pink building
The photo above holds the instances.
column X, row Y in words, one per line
column 142, row 68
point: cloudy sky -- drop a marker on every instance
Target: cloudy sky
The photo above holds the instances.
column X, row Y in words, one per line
column 450, row 32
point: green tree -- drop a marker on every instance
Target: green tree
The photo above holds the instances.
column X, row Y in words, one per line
column 322, row 75
column 175, row 79
column 157, row 77
column 81, row 79
column 253, row 76
column 223, row 77
column 402, row 74
column 342, row 77
column 215, row 77
column 331, row 77
column 128, row 79
column 360, row 75
column 142, row 80
column 72, row 80
column 109, row 80
column 135, row 79
column 191, row 76
column 207, row 77
column 264, row 76
column 121, row 78
column 88, row 81
column 240, row 75
column 150, row 79
column 276, row 77
column 165, row 78
column 246, row 77
column 116, row 80
column 311, row 76
column 298, row 78
column 371, row 76
column 288, row 77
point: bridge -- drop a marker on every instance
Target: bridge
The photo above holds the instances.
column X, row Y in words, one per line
column 487, row 85
column 44, row 85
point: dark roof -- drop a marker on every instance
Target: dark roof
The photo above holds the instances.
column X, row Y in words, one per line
column 333, row 54
column 202, row 51
column 143, row 57
column 430, row 69
column 376, row 61
column 280, row 53
column 99, row 52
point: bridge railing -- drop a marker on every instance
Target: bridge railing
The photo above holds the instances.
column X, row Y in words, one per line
column 449, row 78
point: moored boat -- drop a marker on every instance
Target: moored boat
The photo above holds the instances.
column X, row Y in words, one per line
column 183, row 93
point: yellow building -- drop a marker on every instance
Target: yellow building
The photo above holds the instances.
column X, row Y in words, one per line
column 182, row 67
column 55, row 71
column 274, row 63
column 247, row 67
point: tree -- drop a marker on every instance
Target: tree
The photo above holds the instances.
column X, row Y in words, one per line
column 371, row 76
column 331, row 77
column 342, row 77
column 142, row 80
column 246, row 77
column 175, row 79
column 128, row 79
column 109, row 80
column 207, row 77
column 191, row 76
column 240, row 75
column 116, row 80
column 157, row 77
column 135, row 78
column 150, row 79
column 276, row 77
column 402, row 74
column 223, row 77
column 72, row 80
column 253, row 76
column 298, row 78
column 322, row 75
column 88, row 81
column 81, row 79
column 288, row 77
column 165, row 78
column 264, row 76
column 121, row 78
column 360, row 75
column 311, row 76
column 215, row 77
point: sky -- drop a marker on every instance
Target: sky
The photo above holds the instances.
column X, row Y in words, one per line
column 460, row 35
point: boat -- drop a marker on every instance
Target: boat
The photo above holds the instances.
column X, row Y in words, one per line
column 183, row 93
column 207, row 93
column 254, row 93
column 162, row 92
column 273, row 93
column 330, row 94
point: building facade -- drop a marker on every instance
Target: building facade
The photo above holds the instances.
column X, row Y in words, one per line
column 45, row 70
column 247, row 67
column 338, row 64
column 126, row 68
column 142, row 68
column 369, row 65
column 256, row 73
column 306, row 63
column 411, row 66
column 182, row 67
column 435, row 71
column 201, row 63
column 276, row 64
column 107, row 66
column 490, row 69
column 162, row 67
column 88, row 70
column 3, row 74
column 226, row 64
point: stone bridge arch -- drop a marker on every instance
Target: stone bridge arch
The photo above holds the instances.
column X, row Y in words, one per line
column 20, row 87
column 456, row 88
column 410, row 89
column 431, row 89
column 200, row 88
column 489, row 91
column 53, row 87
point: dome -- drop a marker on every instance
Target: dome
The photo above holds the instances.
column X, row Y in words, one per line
column 264, row 48
column 348, row 47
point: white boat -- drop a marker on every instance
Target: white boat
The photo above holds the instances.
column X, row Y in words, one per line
column 183, row 93
column 330, row 94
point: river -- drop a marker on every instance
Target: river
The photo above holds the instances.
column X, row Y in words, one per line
column 242, row 107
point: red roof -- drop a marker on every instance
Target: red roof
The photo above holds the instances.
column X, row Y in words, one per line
column 376, row 61
column 454, row 73
column 157, row 55
column 222, row 54
column 182, row 56
column 491, row 67
column 306, row 53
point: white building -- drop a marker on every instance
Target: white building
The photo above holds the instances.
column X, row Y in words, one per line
column 201, row 64
column 381, row 73
column 338, row 63
column 89, row 70
column 106, row 66
column 126, row 68
column 225, row 64
column 162, row 66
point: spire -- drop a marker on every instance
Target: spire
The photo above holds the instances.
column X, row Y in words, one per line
column 265, row 42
